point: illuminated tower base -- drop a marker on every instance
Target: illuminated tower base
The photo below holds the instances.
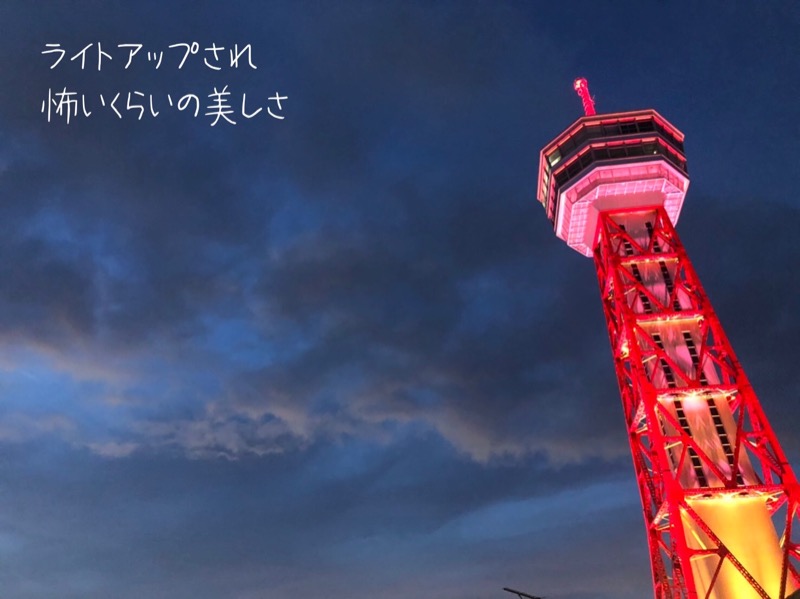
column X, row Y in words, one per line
column 720, row 500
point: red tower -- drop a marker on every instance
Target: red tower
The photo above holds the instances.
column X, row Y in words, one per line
column 720, row 499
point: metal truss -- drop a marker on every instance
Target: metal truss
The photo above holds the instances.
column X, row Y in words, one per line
column 696, row 429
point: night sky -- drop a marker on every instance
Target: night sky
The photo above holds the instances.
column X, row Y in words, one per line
column 342, row 354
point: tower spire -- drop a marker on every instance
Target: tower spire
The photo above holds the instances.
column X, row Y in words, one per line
column 582, row 87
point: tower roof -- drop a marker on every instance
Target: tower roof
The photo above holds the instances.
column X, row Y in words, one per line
column 632, row 157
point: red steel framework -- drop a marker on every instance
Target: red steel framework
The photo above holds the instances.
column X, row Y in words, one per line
column 719, row 497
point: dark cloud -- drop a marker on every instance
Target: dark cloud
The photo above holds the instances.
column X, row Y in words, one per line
column 173, row 527
column 47, row 297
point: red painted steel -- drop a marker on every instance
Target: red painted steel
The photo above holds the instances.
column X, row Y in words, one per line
column 707, row 462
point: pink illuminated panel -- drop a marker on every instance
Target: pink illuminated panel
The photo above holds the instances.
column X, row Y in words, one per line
column 614, row 187
column 634, row 136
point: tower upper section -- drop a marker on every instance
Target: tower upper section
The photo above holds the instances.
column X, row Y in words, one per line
column 610, row 162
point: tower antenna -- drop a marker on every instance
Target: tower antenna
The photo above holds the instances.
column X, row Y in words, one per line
column 582, row 87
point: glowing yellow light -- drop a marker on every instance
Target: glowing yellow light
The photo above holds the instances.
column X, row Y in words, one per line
column 755, row 545
column 691, row 397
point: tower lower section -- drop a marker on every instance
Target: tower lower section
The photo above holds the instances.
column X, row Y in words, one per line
column 720, row 500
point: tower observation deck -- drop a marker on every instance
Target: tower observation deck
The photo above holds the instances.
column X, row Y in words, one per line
column 720, row 500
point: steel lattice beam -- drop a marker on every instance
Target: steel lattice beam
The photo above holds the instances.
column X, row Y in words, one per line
column 669, row 349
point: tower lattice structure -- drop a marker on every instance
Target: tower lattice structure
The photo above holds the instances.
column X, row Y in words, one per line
column 719, row 497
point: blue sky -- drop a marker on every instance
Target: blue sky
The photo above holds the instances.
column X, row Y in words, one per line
column 343, row 354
